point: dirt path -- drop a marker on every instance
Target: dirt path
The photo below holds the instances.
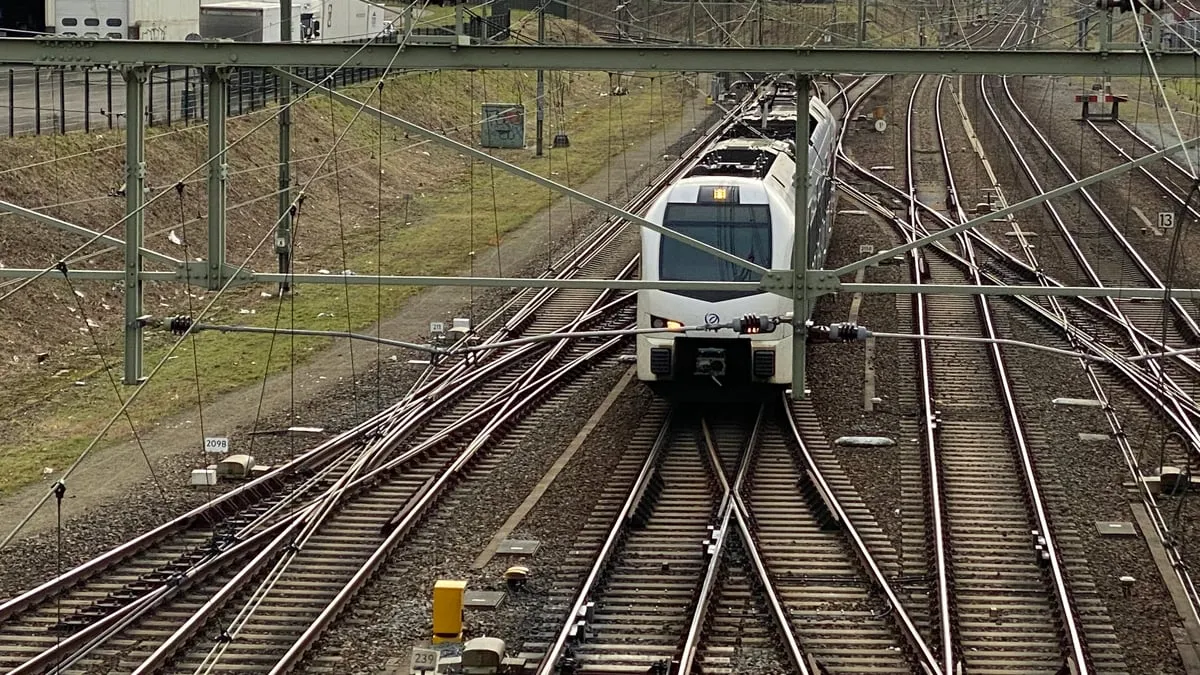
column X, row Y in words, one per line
column 112, row 472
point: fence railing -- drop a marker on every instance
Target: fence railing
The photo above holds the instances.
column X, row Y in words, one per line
column 52, row 100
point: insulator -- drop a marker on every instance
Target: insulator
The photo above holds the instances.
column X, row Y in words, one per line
column 752, row 324
column 180, row 324
column 838, row 332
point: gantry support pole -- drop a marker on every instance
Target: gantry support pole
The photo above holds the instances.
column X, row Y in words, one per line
column 283, row 227
column 218, row 172
column 691, row 35
column 541, row 79
column 800, row 257
column 135, row 199
column 861, row 34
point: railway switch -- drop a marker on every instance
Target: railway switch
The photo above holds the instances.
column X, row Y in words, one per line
column 448, row 610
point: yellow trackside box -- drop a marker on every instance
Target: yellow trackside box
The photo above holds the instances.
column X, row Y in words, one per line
column 448, row 610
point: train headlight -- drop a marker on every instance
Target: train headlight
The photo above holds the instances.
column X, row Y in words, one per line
column 669, row 324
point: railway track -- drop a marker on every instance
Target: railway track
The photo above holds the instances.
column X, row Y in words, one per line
column 649, row 585
column 1111, row 383
column 838, row 612
column 988, row 496
column 1085, row 325
column 1101, row 253
column 333, row 540
column 401, row 457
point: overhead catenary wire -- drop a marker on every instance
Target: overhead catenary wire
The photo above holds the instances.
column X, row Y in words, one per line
column 141, row 387
column 337, row 182
column 379, row 254
column 249, row 202
column 213, row 657
column 91, row 332
column 492, row 182
column 146, row 204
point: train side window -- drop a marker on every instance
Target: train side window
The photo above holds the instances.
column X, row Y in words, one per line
column 91, row 22
column 70, row 21
column 113, row 23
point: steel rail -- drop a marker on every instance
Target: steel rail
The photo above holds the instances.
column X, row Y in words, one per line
column 1155, row 368
column 942, row 569
column 1068, row 617
column 202, row 515
column 733, row 506
column 310, row 519
column 908, row 628
column 344, row 484
column 1144, row 267
column 1147, row 497
column 801, row 660
column 468, row 374
column 715, row 552
column 412, row 512
column 205, row 513
column 1044, row 279
column 1150, row 146
column 554, row 652
column 1075, row 335
column 68, row 651
column 1072, row 244
column 1069, row 331
column 510, row 359
column 1170, row 192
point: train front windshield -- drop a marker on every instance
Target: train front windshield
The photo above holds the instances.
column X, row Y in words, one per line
column 741, row 229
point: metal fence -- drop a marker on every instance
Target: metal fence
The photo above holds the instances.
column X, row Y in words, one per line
column 49, row 100
column 43, row 100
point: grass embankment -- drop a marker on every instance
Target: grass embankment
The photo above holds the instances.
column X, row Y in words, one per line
column 890, row 22
column 413, row 208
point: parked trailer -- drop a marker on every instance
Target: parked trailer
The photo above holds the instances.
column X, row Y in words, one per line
column 124, row 19
column 245, row 21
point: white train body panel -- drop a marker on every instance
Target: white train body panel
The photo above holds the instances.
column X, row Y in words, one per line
column 747, row 210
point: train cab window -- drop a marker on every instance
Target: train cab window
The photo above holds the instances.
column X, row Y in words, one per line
column 741, row 229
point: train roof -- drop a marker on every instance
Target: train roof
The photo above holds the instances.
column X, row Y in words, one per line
column 748, row 157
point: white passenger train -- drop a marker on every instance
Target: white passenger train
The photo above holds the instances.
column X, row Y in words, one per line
column 739, row 197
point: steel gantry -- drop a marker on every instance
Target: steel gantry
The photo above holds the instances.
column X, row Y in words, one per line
column 802, row 284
